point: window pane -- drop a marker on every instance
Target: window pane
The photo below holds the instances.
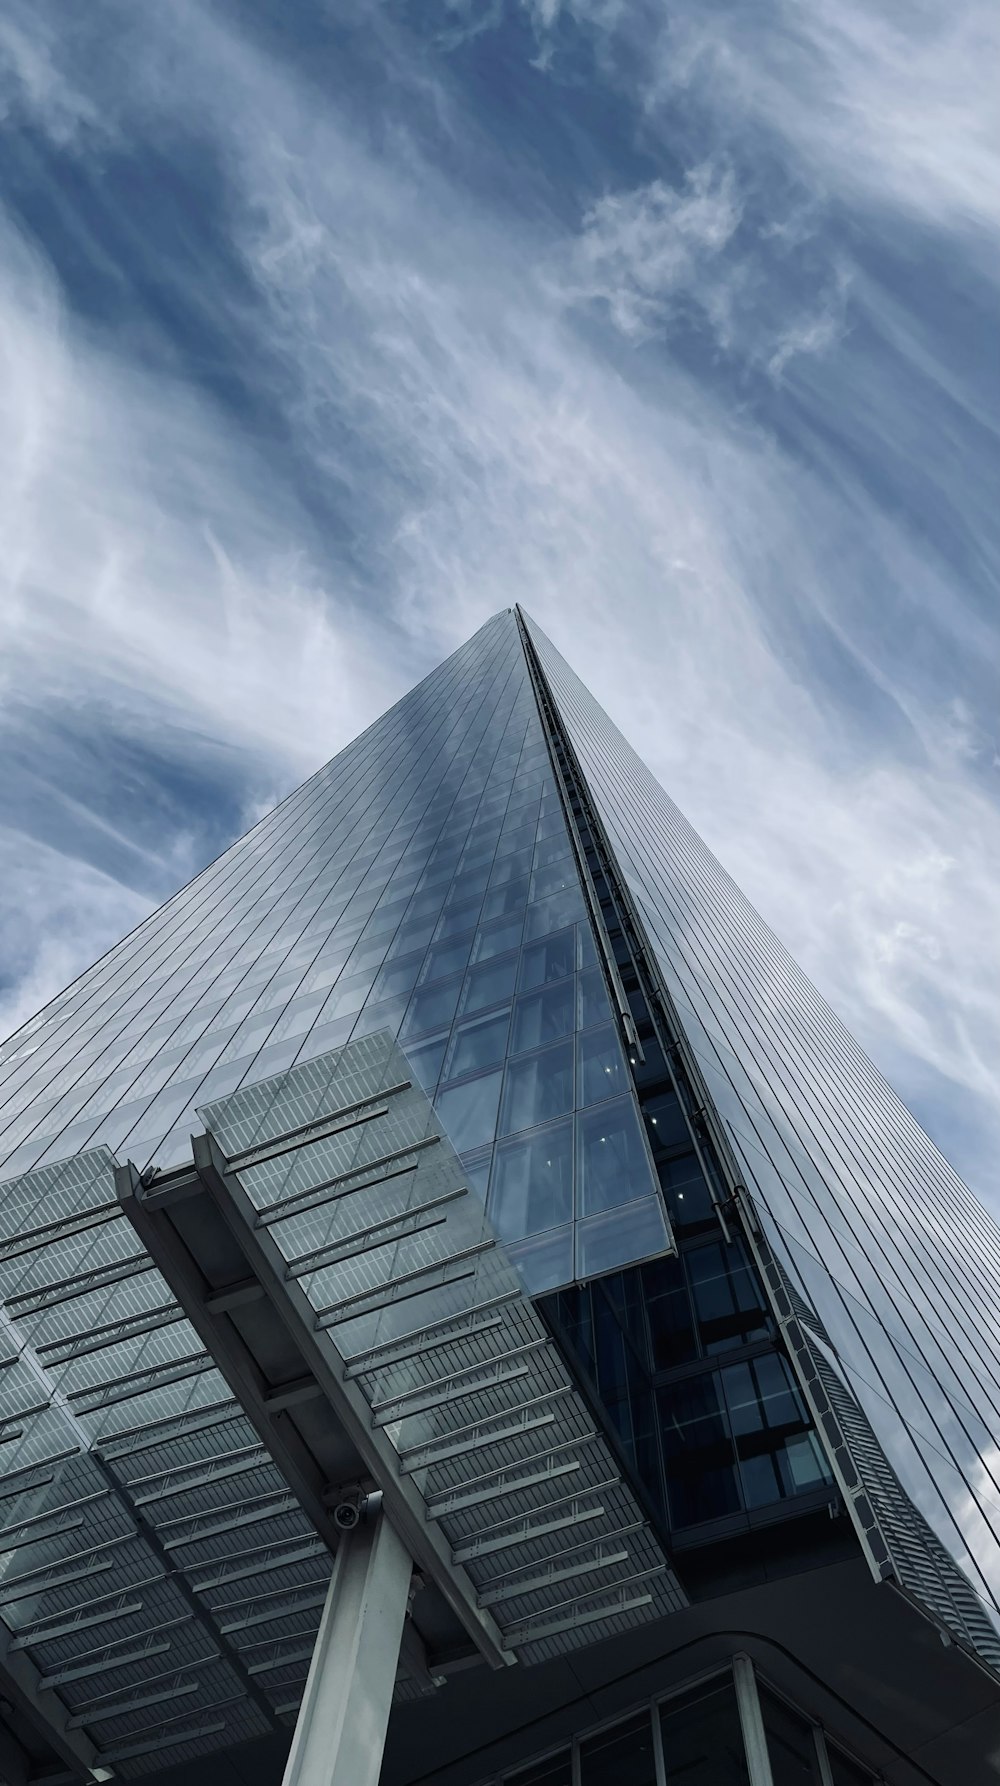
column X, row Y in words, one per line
column 469, row 1111
column 541, row 1017
column 702, row 1742
column 532, row 1186
column 544, row 1261
column 489, row 982
column 552, row 914
column 846, row 1772
column 621, row 1236
column 697, row 1451
column 498, row 938
column 445, row 959
column 611, row 1158
column 594, row 1007
column 620, row 1757
column 425, row 1062
column 789, row 1743
column 553, row 878
column 501, row 901
column 601, row 1068
column 432, row 1007
column 557, row 1771
column 537, row 1088
column 478, row 1044
column 549, row 960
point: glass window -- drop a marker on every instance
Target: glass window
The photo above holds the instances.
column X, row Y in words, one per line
column 844, row 1771
column 790, row 1743
column 553, row 848
column 425, row 1062
column 498, row 938
column 553, row 878
column 501, row 901
column 397, row 978
column 702, row 1740
column 556, row 1771
column 697, row 1451
column 550, row 960
column 457, row 920
column 478, row 1044
column 622, row 1756
column 510, row 868
column 469, row 1111
column 544, row 1261
column 687, row 1196
column 619, row 1237
column 537, row 1088
column 611, row 1159
column 541, row 1017
column 431, row 1007
column 601, row 1067
column 671, row 1323
column 552, row 913
column 593, row 998
column 489, row 982
column 586, row 946
column 445, row 959
column 665, row 1118
column 532, row 1183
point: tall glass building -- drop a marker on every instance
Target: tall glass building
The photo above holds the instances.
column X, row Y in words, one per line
column 471, row 1313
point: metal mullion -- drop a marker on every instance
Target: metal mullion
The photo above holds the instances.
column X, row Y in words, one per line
column 455, row 1503
column 69, row 1289
column 822, row 1757
column 152, row 1370
column 306, row 1603
column 68, row 1525
column 507, row 1538
column 304, row 1553
column 60, row 1676
column 246, row 1516
column 263, row 1149
column 69, row 1623
column 99, row 1714
column 74, row 1557
column 317, row 1258
column 296, row 1200
column 197, row 1463
column 465, row 1370
column 534, row 1457
column 532, row 1584
column 193, row 1420
column 621, row 1584
column 752, row 1722
column 333, row 1311
column 659, row 1759
column 473, row 1438
column 95, row 1339
column 37, row 1519
column 251, row 1459
column 31, row 1240
column 360, row 1364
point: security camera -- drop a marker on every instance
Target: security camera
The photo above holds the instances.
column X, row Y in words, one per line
column 355, row 1506
column 347, row 1514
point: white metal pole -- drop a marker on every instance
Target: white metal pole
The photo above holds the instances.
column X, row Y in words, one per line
column 752, row 1723
column 340, row 1731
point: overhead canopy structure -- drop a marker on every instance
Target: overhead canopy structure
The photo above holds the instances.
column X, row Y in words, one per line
column 318, row 1311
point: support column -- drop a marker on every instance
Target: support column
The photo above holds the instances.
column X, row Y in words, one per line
column 340, row 1730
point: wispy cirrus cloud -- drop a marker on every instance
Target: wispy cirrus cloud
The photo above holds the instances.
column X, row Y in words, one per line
column 414, row 370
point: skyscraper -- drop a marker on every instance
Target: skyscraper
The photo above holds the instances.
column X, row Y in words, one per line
column 555, row 1324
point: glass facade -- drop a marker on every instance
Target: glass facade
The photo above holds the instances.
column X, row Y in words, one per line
column 728, row 1220
column 696, row 1737
column 894, row 1261
column 422, row 883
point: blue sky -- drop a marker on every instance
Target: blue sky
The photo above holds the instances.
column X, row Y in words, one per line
column 329, row 329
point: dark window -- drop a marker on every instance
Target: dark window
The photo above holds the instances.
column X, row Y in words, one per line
column 620, row 1757
column 702, row 1741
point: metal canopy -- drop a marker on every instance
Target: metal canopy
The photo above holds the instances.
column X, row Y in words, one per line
column 315, row 1308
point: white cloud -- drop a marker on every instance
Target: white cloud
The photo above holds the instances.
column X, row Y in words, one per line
column 638, row 249
column 691, row 564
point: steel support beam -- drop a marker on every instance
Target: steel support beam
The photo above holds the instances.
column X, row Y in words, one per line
column 340, row 1732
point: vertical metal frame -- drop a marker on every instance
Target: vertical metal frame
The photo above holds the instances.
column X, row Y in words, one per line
column 822, row 1756
column 752, row 1722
